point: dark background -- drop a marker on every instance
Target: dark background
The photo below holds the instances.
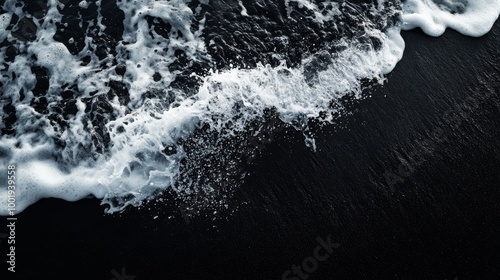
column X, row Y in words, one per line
column 440, row 221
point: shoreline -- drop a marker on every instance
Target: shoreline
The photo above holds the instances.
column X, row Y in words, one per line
column 440, row 221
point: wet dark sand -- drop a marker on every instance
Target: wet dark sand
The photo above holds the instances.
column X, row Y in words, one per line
column 408, row 185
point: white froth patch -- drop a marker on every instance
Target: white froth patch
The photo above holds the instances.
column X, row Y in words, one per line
column 38, row 176
column 394, row 50
column 42, row 179
column 4, row 23
column 54, row 56
column 289, row 90
column 321, row 15
column 149, row 54
column 433, row 19
column 84, row 4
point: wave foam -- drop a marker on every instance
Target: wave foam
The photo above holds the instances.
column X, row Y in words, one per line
column 124, row 151
column 472, row 18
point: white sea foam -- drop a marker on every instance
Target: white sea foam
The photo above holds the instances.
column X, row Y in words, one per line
column 4, row 22
column 469, row 17
column 135, row 166
column 320, row 15
column 84, row 4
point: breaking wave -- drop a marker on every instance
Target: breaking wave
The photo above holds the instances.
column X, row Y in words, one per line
column 125, row 99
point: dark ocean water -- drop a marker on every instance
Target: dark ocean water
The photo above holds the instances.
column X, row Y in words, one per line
column 406, row 186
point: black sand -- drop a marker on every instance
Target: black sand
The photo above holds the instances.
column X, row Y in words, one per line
column 433, row 130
